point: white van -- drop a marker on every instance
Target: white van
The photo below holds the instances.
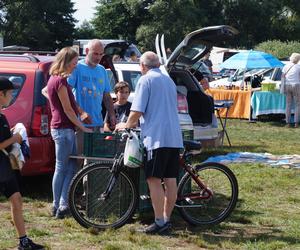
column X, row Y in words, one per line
column 218, row 55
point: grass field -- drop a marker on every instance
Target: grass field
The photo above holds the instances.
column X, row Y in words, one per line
column 267, row 215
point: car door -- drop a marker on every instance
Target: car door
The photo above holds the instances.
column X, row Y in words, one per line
column 194, row 46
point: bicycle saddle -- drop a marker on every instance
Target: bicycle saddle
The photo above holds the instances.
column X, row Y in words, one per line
column 192, row 145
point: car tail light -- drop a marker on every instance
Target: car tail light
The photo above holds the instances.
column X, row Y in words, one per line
column 40, row 121
column 182, row 105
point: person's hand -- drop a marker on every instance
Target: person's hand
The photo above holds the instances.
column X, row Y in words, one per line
column 87, row 130
column 120, row 126
column 85, row 118
column 17, row 138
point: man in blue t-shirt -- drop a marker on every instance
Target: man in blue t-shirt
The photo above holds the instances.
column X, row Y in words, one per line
column 91, row 85
column 155, row 104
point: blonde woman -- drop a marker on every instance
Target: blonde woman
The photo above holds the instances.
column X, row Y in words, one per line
column 291, row 78
column 63, row 124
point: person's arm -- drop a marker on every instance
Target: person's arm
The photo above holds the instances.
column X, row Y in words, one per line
column 15, row 138
column 84, row 116
column 65, row 101
column 132, row 121
column 108, row 102
column 106, row 127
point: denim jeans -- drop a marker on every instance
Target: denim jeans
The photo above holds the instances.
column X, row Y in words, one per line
column 65, row 167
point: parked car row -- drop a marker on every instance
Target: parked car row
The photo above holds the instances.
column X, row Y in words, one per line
column 236, row 79
column 31, row 108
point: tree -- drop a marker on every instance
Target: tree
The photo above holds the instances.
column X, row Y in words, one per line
column 85, row 31
column 119, row 19
column 141, row 20
column 278, row 48
column 38, row 24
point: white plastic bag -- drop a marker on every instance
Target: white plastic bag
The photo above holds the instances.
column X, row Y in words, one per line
column 133, row 154
column 282, row 85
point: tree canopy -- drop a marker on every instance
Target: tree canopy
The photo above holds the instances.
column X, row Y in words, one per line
column 38, row 24
column 140, row 20
column 43, row 24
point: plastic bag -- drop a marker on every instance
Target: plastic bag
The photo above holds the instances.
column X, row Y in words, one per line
column 282, row 85
column 13, row 160
column 133, row 154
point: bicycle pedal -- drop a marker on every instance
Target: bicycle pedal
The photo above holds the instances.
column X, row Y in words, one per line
column 145, row 197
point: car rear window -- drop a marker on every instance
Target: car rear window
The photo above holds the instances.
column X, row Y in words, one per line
column 17, row 80
column 132, row 78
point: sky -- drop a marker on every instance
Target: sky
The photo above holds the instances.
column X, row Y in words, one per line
column 85, row 10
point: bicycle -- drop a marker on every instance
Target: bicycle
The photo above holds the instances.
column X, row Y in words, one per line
column 102, row 195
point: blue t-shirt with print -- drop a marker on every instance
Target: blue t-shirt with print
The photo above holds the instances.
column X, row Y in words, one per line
column 89, row 84
column 156, row 97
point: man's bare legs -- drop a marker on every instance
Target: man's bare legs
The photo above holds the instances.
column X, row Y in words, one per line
column 163, row 201
column 170, row 197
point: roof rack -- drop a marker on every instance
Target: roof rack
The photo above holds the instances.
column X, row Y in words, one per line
column 31, row 58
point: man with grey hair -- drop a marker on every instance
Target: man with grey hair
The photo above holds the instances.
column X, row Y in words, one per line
column 291, row 80
column 91, row 85
column 155, row 104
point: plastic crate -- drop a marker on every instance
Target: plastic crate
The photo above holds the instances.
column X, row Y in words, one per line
column 268, row 86
column 187, row 134
column 95, row 186
column 105, row 145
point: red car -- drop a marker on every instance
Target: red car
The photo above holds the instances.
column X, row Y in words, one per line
column 30, row 107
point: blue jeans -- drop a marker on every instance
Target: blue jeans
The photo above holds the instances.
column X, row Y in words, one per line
column 65, row 167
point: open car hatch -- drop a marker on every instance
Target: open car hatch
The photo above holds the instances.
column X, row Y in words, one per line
column 194, row 46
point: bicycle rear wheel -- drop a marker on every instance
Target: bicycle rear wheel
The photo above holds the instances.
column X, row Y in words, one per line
column 209, row 206
column 87, row 205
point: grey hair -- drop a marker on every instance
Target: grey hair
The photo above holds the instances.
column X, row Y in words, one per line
column 94, row 42
column 295, row 57
column 150, row 60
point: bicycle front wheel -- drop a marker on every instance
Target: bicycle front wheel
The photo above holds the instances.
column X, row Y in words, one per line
column 212, row 202
column 88, row 205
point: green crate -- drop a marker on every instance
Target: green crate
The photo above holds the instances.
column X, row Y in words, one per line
column 187, row 134
column 105, row 145
column 95, row 186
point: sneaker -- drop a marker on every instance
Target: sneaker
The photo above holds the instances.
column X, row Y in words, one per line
column 296, row 125
column 156, row 229
column 288, row 125
column 62, row 213
column 30, row 245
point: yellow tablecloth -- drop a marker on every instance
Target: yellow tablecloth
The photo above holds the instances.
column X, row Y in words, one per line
column 241, row 102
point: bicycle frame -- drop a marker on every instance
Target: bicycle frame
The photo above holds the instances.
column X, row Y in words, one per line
column 116, row 168
column 204, row 192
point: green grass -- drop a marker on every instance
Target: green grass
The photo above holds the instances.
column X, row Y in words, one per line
column 267, row 215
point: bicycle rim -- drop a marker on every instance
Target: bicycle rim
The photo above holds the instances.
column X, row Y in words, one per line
column 200, row 208
column 87, row 206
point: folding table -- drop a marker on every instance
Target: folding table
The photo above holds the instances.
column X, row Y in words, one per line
column 223, row 104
